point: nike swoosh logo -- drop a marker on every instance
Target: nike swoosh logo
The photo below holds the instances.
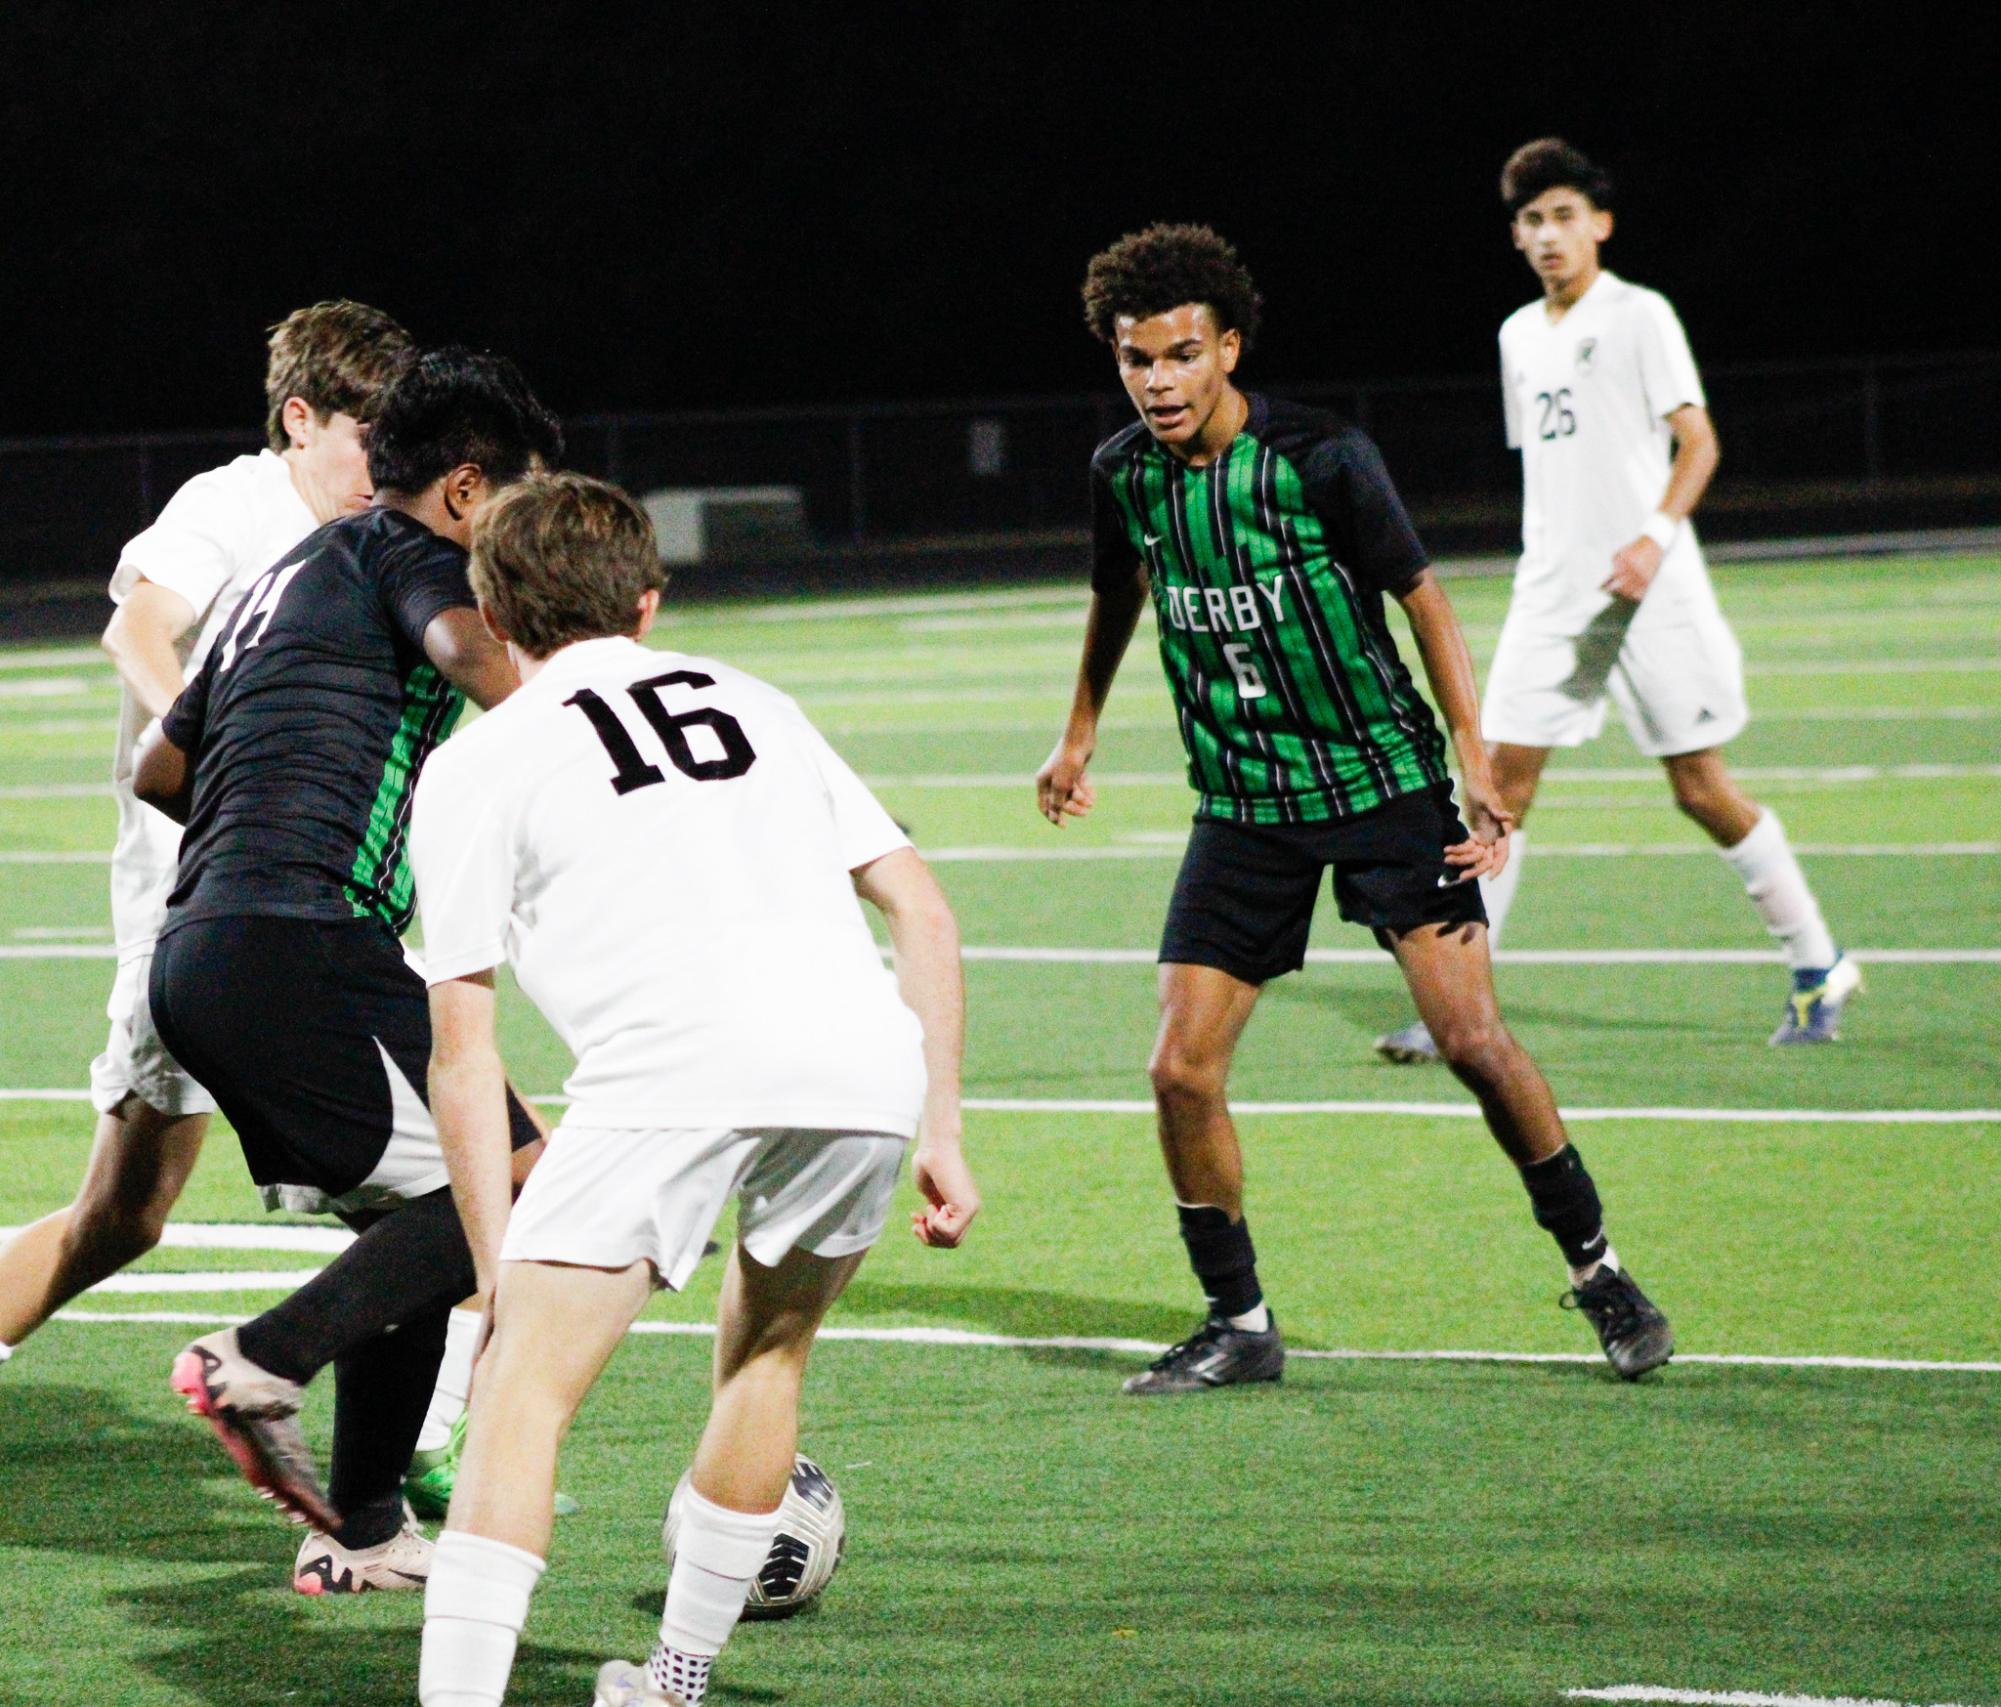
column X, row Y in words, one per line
column 1154, row 538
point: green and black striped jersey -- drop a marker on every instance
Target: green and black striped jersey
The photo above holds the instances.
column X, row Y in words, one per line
column 1268, row 569
column 308, row 723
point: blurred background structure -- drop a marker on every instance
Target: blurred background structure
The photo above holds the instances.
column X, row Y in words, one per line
column 811, row 285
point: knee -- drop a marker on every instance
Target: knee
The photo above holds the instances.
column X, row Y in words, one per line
column 1186, row 1077
column 1479, row 1050
column 117, row 1232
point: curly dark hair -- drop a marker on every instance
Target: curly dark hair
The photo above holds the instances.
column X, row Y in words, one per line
column 1163, row 267
column 1550, row 163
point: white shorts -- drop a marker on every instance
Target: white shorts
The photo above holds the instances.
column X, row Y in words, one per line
column 605, row 1197
column 135, row 1062
column 1678, row 683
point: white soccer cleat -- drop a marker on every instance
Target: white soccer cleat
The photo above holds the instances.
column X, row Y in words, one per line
column 623, row 1684
column 402, row 1562
column 1814, row 1004
column 1409, row 1046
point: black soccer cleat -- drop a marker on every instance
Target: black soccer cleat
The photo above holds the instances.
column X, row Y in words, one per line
column 1215, row 1355
column 1635, row 1335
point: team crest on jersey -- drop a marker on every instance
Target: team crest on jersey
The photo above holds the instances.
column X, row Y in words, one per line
column 1587, row 355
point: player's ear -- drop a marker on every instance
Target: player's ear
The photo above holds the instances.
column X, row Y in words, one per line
column 647, row 609
column 299, row 422
column 1228, row 348
column 493, row 625
column 1601, row 224
column 464, row 490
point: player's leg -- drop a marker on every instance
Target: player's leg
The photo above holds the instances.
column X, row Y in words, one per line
column 1451, row 980
column 139, row 1162
column 1239, row 916
column 1546, row 688
column 1680, row 687
column 380, row 1389
column 1754, row 845
column 151, row 1118
column 730, row 1511
column 555, row 1327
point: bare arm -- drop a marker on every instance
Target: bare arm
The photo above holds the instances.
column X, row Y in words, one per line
column 925, row 937
column 469, row 657
column 140, row 639
column 1449, row 668
column 163, row 778
column 1061, row 787
column 469, row 1102
column 1696, row 454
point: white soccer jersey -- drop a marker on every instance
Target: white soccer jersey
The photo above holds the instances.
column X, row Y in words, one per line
column 660, row 846
column 217, row 534
column 1586, row 400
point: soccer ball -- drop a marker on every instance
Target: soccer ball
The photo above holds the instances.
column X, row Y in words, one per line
column 805, row 1553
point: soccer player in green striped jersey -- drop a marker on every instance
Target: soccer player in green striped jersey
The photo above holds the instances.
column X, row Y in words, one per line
column 1266, row 536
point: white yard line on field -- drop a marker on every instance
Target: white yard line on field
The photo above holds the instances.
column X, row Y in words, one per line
column 1559, row 774
column 65, row 856
column 968, row 1338
column 1073, row 956
column 54, row 658
column 48, row 687
column 55, row 791
column 1732, row 1697
column 1370, row 1107
column 1169, row 844
column 1471, row 1111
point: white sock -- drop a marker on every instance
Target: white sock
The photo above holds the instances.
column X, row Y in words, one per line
column 1778, row 889
column 6, row 1351
column 1255, row 1321
column 1499, row 892
column 717, row 1556
column 448, row 1398
column 1578, row 1276
column 474, row 1607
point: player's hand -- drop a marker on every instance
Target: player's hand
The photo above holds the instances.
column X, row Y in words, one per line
column 1062, row 789
column 1485, row 852
column 952, row 1199
column 1633, row 569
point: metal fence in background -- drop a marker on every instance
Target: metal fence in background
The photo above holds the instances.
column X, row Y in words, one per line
column 884, row 474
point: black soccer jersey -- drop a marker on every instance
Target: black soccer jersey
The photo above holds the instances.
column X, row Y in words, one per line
column 1268, row 569
column 308, row 724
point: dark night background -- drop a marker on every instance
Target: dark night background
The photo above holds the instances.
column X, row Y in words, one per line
column 657, row 207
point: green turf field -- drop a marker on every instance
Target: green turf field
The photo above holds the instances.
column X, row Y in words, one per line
column 1378, row 1530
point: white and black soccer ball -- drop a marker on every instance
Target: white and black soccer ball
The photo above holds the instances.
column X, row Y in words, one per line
column 812, row 1536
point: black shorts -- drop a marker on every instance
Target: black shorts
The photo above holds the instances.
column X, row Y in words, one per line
column 292, row 1025
column 1244, row 900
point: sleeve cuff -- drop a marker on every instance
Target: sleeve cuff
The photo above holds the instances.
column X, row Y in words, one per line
column 443, row 968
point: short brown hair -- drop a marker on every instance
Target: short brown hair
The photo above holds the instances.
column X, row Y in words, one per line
column 338, row 356
column 1550, row 163
column 1164, row 267
column 559, row 558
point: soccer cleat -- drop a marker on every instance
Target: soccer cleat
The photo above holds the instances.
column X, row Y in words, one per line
column 433, row 1475
column 1635, row 1335
column 623, row 1684
column 1411, row 1046
column 402, row 1562
column 255, row 1415
column 1813, row 1007
column 1215, row 1355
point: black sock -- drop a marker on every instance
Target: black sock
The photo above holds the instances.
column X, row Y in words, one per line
column 1566, row 1205
column 1219, row 1251
column 405, row 1265
column 382, row 1390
